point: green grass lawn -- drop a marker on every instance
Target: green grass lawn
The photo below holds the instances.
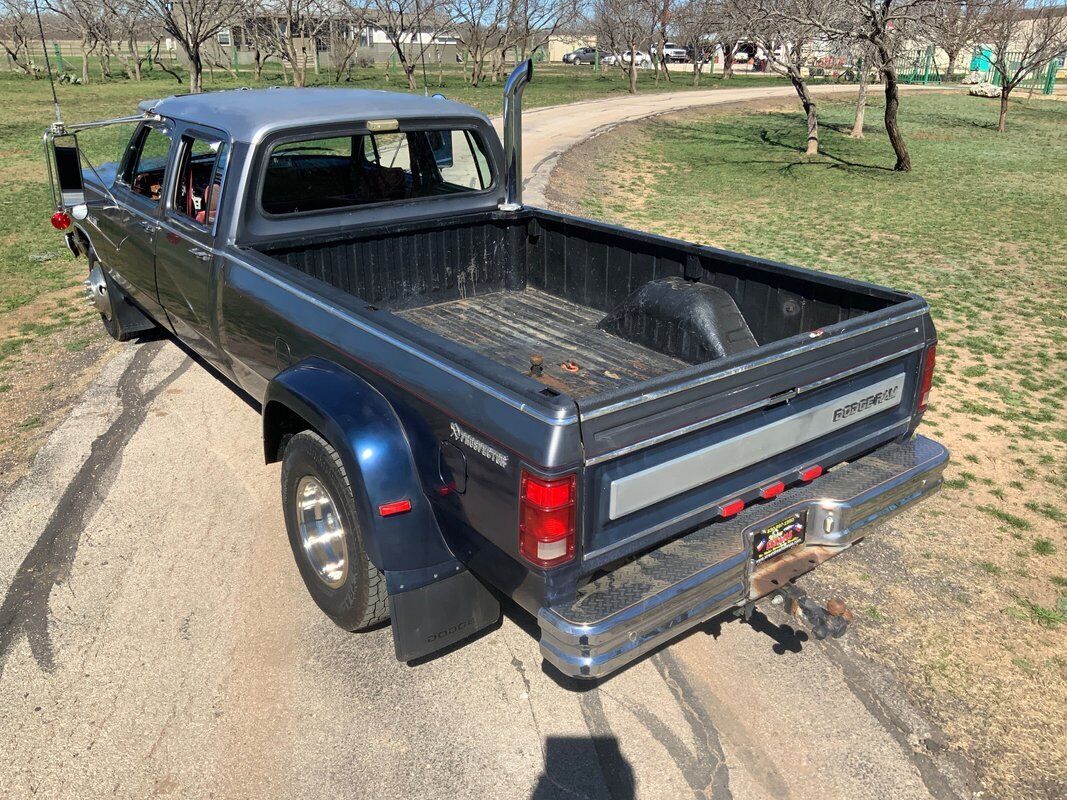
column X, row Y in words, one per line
column 979, row 585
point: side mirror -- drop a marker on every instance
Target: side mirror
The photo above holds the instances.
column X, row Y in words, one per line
column 441, row 144
column 66, row 159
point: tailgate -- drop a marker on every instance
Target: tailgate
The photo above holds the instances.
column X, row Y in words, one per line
column 661, row 460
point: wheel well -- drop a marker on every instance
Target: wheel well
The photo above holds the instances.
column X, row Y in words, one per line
column 280, row 423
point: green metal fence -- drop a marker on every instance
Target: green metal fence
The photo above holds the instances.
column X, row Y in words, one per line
column 917, row 67
column 1042, row 79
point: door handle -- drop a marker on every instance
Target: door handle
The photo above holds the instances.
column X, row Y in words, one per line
column 203, row 255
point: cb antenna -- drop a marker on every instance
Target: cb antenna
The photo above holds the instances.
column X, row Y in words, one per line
column 422, row 48
column 48, row 64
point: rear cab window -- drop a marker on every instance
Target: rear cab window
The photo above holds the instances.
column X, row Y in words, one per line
column 338, row 172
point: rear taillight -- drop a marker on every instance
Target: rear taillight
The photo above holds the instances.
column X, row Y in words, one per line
column 61, row 220
column 928, row 377
column 547, row 509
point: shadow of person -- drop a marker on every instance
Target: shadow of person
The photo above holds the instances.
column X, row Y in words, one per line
column 585, row 766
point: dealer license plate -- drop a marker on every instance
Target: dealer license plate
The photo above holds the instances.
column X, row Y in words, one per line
column 783, row 534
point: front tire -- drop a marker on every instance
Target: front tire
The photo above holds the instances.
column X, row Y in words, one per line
column 324, row 533
column 120, row 319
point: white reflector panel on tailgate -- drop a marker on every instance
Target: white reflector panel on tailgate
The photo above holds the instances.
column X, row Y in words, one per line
column 642, row 489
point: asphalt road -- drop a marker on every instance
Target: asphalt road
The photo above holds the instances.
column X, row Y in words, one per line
column 156, row 639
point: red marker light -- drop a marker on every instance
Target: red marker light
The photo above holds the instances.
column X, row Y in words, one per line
column 731, row 508
column 394, row 508
column 772, row 490
column 811, row 473
column 928, row 377
column 60, row 220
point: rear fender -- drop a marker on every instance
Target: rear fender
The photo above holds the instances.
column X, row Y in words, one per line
column 364, row 429
column 434, row 601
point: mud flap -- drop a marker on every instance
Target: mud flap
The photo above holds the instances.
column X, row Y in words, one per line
column 439, row 614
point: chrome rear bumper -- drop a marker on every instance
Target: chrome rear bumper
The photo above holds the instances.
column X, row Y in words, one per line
column 650, row 600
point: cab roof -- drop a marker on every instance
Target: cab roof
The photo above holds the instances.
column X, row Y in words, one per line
column 249, row 114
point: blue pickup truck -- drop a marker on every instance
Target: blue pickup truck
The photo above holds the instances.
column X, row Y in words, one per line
column 478, row 401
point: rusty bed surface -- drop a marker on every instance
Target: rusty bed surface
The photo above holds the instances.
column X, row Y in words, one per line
column 511, row 326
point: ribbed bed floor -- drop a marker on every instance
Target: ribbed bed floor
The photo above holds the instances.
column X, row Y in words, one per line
column 510, row 327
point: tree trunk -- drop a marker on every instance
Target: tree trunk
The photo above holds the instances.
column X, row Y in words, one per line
column 1005, row 90
column 136, row 59
column 809, row 110
column 196, row 71
column 697, row 66
column 861, row 105
column 85, row 61
column 892, row 103
column 951, row 68
column 258, row 59
column 632, row 72
column 728, row 62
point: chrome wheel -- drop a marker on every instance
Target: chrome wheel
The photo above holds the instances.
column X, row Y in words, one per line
column 321, row 532
column 96, row 291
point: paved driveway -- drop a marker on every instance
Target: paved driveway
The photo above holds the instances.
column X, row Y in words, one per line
column 155, row 639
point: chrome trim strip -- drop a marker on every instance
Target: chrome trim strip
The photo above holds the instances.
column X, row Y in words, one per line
column 646, row 487
column 707, row 378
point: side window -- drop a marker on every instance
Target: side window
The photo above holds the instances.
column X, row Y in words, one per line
column 199, row 185
column 147, row 170
column 466, row 166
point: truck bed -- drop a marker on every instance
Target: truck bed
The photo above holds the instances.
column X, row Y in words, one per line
column 511, row 326
column 540, row 283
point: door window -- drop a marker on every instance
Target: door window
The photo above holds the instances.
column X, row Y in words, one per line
column 147, row 170
column 199, row 184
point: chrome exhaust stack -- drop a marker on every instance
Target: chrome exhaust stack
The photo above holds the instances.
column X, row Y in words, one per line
column 517, row 80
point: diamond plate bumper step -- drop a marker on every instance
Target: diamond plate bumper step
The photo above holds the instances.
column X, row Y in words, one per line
column 618, row 617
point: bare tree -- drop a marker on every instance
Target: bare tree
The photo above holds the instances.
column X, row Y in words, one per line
column 956, row 26
column 129, row 19
column 84, row 18
column 694, row 22
column 623, row 25
column 192, row 23
column 296, row 26
column 17, row 30
column 861, row 62
column 259, row 34
column 786, row 30
column 411, row 26
column 1023, row 36
column 884, row 25
column 478, row 27
column 534, row 22
column 344, row 39
column 727, row 19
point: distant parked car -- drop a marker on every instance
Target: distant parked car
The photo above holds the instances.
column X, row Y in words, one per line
column 672, row 52
column 641, row 58
column 583, row 55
